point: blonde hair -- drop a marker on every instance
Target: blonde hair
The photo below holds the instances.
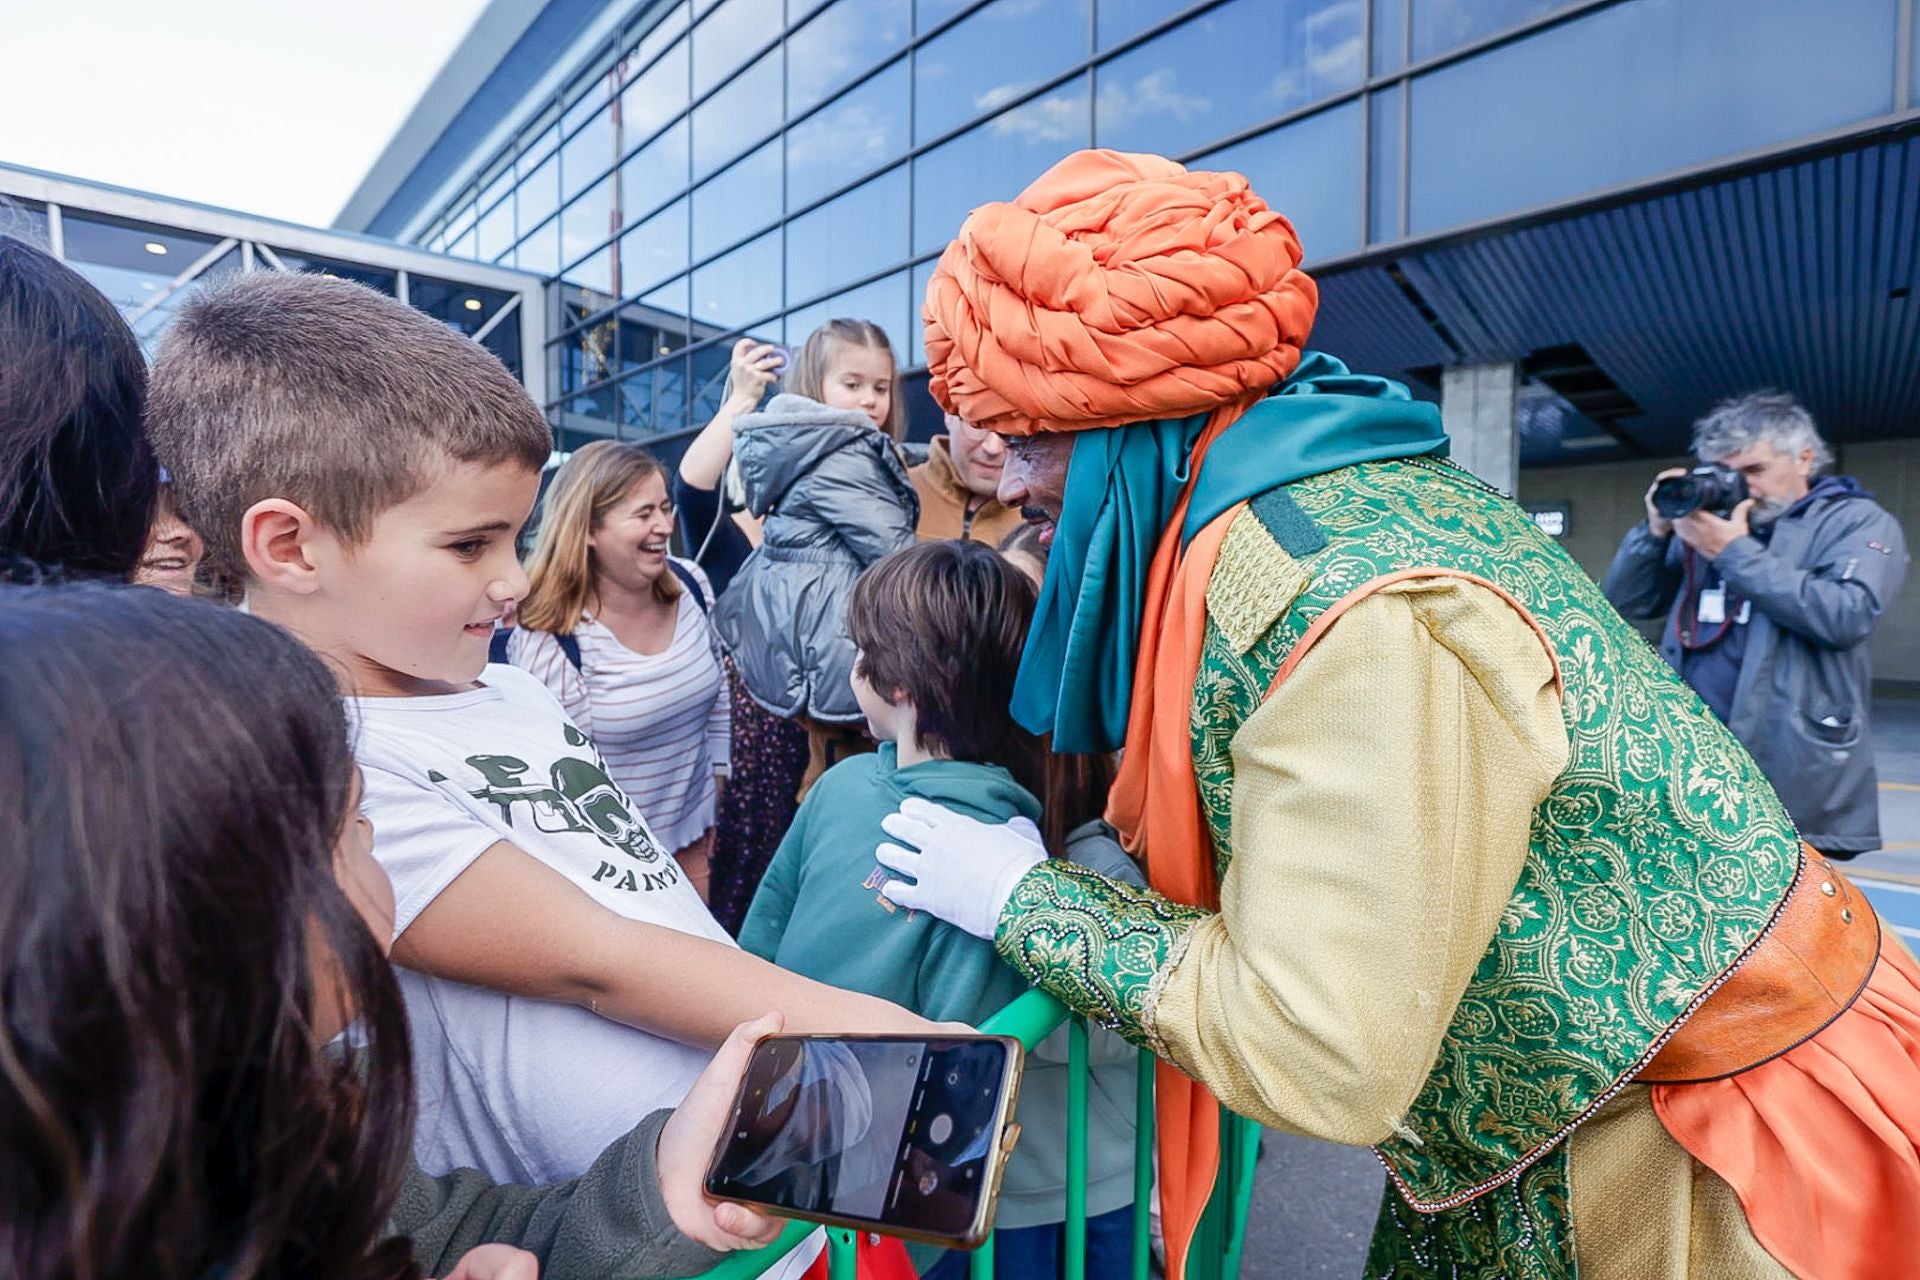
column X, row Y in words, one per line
column 589, row 485
column 325, row 393
column 808, row 376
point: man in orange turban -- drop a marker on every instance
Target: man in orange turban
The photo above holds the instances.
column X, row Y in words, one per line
column 1445, row 861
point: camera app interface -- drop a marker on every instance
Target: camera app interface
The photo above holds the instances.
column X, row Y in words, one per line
column 890, row 1132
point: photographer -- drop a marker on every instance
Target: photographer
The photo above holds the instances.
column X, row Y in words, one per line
column 1774, row 581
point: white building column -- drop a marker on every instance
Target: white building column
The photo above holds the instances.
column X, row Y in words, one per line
column 1477, row 410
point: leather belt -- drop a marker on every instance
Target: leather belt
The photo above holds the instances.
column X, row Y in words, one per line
column 1805, row 972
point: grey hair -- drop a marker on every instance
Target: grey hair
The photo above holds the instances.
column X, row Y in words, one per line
column 1770, row 417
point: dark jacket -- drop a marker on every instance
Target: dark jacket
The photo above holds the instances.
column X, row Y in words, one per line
column 1835, row 562
column 610, row 1223
column 835, row 498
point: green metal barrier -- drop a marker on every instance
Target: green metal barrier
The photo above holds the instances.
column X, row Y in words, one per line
column 1215, row 1254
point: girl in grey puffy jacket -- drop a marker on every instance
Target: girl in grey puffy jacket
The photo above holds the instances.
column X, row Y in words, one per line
column 823, row 472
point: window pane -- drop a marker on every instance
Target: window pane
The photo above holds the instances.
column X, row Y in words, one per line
column 1440, row 25
column 538, row 195
column 1635, row 90
column 744, row 286
column 462, row 308
column 883, row 301
column 646, row 335
column 671, row 24
column 653, row 402
column 654, row 174
column 737, row 203
column 836, row 47
column 1383, row 218
column 1913, row 90
column 655, row 249
column 497, row 188
column 656, row 96
column 739, row 115
column 849, row 237
column 708, row 378
column 1309, row 171
column 540, row 251
column 928, row 14
column 916, row 328
column 588, row 96
column 994, row 161
column 1119, row 19
column 853, row 135
column 1227, row 70
column 1389, row 35
column 494, row 234
column 666, row 309
column 990, row 57
column 726, row 37
column 587, row 154
column 462, row 246
column 587, row 222
column 25, row 222
column 593, row 279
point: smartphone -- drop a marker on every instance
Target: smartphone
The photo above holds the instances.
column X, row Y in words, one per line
column 901, row 1134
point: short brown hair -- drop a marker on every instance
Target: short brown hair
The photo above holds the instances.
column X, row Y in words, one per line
column 325, row 393
column 943, row 624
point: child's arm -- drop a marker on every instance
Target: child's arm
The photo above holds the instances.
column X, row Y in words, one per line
column 754, row 367
column 510, row 923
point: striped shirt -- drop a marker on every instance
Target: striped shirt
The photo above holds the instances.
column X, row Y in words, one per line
column 662, row 720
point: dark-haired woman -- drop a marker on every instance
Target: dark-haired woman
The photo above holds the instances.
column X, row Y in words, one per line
column 190, row 919
column 77, row 478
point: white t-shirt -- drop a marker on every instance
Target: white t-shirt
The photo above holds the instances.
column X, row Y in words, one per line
column 661, row 720
column 525, row 1090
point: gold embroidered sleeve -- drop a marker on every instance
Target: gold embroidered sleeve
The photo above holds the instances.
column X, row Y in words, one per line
column 1381, row 807
column 1097, row 945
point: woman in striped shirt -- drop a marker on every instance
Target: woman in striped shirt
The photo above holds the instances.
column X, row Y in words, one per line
column 611, row 627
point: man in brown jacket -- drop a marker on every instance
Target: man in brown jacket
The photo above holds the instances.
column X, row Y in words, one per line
column 957, row 484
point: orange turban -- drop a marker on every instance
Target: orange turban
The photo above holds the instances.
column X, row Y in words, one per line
column 1117, row 288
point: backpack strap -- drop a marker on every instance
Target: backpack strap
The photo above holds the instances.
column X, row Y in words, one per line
column 497, row 647
column 687, row 580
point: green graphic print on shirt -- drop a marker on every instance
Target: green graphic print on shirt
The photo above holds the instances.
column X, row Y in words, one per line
column 577, row 796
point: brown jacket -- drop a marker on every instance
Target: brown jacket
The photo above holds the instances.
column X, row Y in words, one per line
column 948, row 509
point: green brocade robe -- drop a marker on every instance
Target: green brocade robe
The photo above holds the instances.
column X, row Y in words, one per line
column 1658, row 858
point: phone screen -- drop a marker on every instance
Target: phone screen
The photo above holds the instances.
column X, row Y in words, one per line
column 892, row 1132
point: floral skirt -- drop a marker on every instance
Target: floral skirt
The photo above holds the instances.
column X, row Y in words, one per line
column 769, row 761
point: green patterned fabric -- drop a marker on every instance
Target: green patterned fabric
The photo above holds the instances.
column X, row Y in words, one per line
column 1094, row 944
column 1659, row 857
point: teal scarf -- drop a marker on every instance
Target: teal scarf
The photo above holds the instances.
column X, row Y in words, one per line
column 1122, row 486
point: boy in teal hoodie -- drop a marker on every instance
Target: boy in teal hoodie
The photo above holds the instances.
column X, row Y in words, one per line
column 940, row 628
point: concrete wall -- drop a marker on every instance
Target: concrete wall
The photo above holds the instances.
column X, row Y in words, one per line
column 1606, row 498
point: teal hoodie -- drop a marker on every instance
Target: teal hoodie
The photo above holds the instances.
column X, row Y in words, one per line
column 819, row 912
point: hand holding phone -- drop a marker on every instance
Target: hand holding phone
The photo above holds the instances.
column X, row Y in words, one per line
column 906, row 1135
column 689, row 1137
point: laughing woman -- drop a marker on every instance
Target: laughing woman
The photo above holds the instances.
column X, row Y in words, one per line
column 618, row 631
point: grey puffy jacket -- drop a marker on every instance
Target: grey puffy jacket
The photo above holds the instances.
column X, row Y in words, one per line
column 1806, row 678
column 835, row 497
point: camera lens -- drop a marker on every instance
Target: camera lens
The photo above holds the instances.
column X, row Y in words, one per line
column 953, row 1079
column 928, row 1181
column 941, row 1129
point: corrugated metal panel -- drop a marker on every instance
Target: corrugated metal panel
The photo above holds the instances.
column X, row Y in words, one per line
column 1367, row 321
column 1784, row 278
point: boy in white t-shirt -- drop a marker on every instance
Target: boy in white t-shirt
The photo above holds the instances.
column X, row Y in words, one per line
column 362, row 471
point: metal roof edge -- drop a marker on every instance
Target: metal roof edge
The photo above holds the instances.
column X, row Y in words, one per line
column 493, row 35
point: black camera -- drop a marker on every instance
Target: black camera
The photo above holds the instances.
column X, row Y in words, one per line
column 1713, row 487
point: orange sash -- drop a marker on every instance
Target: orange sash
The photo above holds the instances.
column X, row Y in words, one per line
column 1155, row 804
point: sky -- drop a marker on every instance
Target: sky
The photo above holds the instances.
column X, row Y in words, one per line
column 274, row 107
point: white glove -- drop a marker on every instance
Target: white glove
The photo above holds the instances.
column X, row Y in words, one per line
column 965, row 869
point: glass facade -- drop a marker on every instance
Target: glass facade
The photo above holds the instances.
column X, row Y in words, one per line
column 728, row 167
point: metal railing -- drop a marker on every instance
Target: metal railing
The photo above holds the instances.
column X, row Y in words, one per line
column 1215, row 1252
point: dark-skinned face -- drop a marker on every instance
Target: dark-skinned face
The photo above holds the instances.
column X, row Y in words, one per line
column 1034, row 477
